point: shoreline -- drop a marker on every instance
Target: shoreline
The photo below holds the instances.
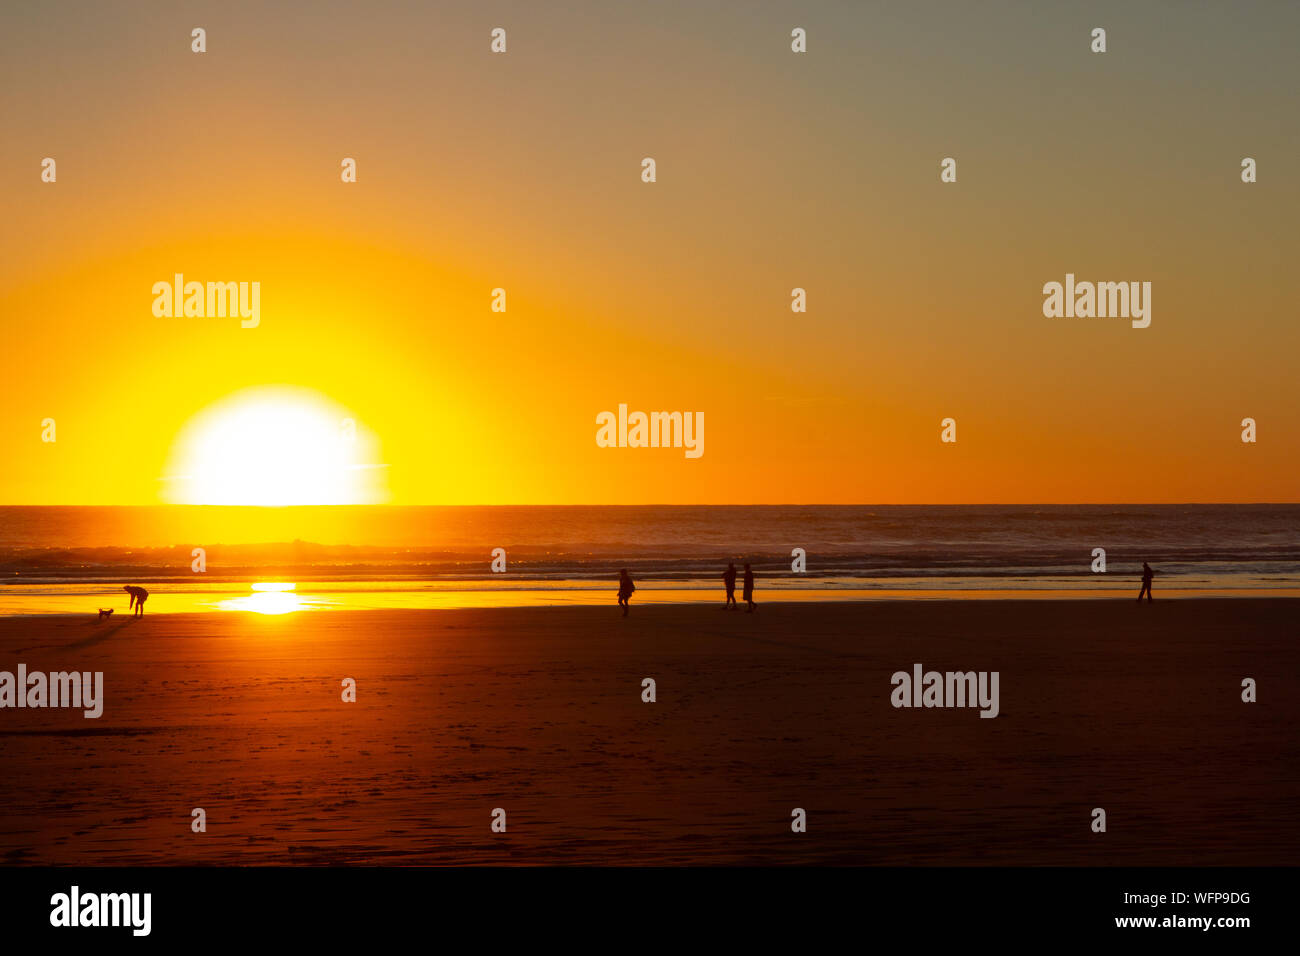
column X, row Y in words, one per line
column 312, row 601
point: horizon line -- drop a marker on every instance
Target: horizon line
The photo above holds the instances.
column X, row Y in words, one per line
column 706, row 504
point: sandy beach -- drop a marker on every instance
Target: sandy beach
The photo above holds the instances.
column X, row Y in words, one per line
column 1135, row 709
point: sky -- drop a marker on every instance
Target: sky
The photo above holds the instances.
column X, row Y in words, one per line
column 775, row 170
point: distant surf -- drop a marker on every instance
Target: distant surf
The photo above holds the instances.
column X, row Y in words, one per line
column 852, row 549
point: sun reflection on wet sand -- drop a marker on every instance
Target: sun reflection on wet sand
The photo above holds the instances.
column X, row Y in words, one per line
column 268, row 597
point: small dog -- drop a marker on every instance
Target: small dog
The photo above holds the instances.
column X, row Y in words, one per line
column 104, row 612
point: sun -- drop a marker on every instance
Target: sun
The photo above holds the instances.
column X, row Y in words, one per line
column 274, row 446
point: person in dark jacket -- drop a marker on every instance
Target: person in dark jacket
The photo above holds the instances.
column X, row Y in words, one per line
column 729, row 582
column 138, row 596
column 625, row 589
column 1147, row 575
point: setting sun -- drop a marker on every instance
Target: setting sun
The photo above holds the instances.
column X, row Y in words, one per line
column 274, row 446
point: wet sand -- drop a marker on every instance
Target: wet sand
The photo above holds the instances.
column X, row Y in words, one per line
column 1136, row 709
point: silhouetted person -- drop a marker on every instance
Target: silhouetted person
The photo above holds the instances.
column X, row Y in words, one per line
column 1147, row 575
column 625, row 589
column 138, row 596
column 749, row 588
column 729, row 582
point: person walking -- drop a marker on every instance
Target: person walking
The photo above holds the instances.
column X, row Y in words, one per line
column 625, row 589
column 729, row 582
column 1147, row 575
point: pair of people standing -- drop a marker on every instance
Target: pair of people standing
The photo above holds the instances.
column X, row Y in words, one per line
column 729, row 582
column 626, row 587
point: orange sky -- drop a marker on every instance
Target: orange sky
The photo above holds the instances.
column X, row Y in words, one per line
column 775, row 170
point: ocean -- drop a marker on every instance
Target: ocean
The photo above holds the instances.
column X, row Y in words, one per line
column 51, row 558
